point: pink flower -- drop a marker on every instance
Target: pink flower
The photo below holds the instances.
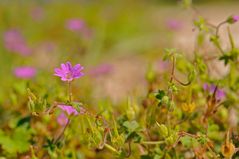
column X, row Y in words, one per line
column 220, row 94
column 25, row 72
column 235, row 18
column 75, row 24
column 15, row 42
column 68, row 73
column 68, row 109
column 78, row 25
column 174, row 24
column 62, row 119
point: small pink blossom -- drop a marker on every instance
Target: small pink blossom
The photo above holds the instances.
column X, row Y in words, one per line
column 78, row 25
column 25, row 72
column 235, row 18
column 220, row 94
column 68, row 109
column 174, row 24
column 75, row 24
column 62, row 119
column 67, row 72
column 15, row 42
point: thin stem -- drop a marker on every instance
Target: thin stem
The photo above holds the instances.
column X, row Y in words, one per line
column 218, row 27
column 230, row 38
column 111, row 148
column 102, row 144
column 173, row 68
column 69, row 91
column 62, row 132
column 183, row 84
column 129, row 151
column 152, row 142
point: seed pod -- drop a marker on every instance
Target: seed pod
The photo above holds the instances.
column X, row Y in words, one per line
column 228, row 150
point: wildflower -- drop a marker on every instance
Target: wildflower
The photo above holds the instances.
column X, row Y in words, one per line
column 188, row 107
column 220, row 94
column 78, row 25
column 232, row 19
column 62, row 119
column 15, row 42
column 235, row 18
column 68, row 73
column 174, row 24
column 68, row 109
column 75, row 24
column 25, row 72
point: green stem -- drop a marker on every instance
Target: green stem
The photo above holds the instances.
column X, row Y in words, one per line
column 152, row 142
column 111, row 148
column 69, row 91
column 62, row 132
column 230, row 38
column 218, row 27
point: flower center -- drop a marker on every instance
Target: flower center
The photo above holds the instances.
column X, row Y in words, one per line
column 68, row 75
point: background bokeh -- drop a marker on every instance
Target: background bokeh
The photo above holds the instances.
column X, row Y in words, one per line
column 123, row 37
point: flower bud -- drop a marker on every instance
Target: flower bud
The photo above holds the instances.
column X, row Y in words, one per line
column 228, row 150
column 165, row 100
column 130, row 113
column 170, row 140
column 232, row 19
column 163, row 130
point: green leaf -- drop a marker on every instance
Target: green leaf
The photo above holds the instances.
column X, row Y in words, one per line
column 160, row 94
column 131, row 126
column 188, row 141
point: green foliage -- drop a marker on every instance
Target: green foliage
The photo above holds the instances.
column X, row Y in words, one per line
column 16, row 142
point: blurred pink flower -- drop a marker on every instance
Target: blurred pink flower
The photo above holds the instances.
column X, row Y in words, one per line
column 162, row 65
column 220, row 94
column 174, row 24
column 15, row 42
column 101, row 70
column 78, row 25
column 68, row 109
column 62, row 119
column 25, row 72
column 68, row 73
column 71, row 110
column 75, row 24
column 235, row 18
